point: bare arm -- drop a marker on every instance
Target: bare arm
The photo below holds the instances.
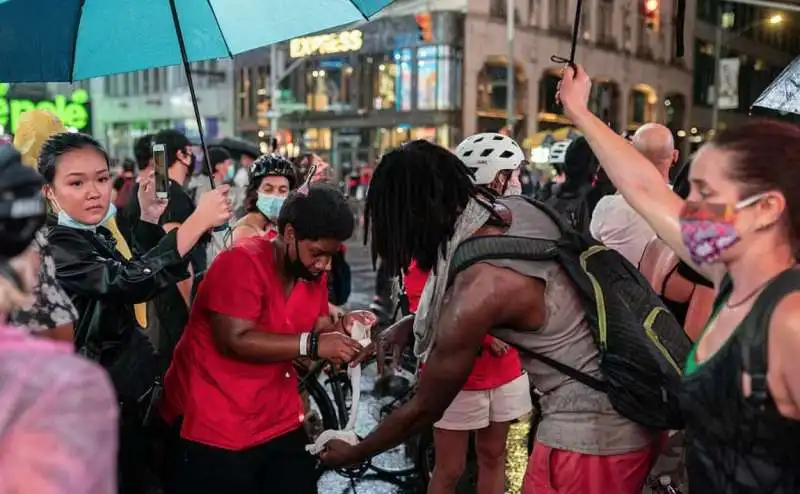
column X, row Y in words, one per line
column 784, row 341
column 634, row 176
column 239, row 339
column 482, row 297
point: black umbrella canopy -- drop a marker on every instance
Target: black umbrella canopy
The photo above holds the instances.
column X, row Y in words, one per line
column 237, row 146
column 782, row 97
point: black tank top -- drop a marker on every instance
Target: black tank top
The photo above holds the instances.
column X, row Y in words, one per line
column 736, row 446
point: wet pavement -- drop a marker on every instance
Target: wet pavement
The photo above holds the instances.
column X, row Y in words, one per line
column 363, row 279
column 368, row 410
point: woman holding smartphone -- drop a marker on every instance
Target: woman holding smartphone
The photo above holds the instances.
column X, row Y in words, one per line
column 104, row 285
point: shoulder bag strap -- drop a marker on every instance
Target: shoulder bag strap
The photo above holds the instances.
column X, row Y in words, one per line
column 754, row 347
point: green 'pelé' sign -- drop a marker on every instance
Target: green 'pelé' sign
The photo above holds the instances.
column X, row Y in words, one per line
column 73, row 110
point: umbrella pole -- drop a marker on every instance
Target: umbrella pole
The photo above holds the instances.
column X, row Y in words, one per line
column 188, row 69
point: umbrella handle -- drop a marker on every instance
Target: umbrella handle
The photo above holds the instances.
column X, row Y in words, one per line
column 575, row 30
column 188, row 70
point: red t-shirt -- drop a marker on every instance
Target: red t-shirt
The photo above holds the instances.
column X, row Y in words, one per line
column 229, row 403
column 489, row 371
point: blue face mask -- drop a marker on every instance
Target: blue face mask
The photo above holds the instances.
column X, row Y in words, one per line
column 230, row 173
column 66, row 220
column 269, row 205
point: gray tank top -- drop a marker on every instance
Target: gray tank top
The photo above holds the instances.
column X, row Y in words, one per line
column 574, row 417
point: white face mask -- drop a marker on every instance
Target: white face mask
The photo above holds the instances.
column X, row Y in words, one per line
column 513, row 190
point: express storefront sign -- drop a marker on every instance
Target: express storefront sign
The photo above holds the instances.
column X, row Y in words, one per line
column 73, row 110
column 327, row 44
column 383, row 36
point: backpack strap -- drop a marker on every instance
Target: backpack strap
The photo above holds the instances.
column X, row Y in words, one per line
column 495, row 247
column 754, row 346
column 477, row 249
column 581, row 377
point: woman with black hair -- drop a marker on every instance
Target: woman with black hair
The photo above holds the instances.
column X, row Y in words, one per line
column 272, row 177
column 108, row 285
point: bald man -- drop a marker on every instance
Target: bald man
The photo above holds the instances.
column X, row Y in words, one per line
column 614, row 222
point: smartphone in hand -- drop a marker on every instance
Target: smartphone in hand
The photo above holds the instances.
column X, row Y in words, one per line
column 160, row 168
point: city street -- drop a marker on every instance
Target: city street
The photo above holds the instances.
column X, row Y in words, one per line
column 331, row 482
column 363, row 287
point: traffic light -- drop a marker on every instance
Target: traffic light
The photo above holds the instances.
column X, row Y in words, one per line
column 652, row 14
column 425, row 28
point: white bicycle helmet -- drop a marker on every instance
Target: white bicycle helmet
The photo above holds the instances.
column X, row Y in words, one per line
column 488, row 154
column 558, row 152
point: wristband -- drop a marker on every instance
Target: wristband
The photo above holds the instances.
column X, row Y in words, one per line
column 304, row 344
column 314, row 342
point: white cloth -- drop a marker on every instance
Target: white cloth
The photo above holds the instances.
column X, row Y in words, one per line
column 473, row 217
column 618, row 226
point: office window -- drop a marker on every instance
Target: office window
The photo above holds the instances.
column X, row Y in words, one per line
column 560, row 15
column 605, row 22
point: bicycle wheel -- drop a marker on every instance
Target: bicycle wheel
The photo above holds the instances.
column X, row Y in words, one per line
column 320, row 414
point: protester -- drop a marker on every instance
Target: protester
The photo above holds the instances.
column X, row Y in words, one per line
column 58, row 425
column 143, row 153
column 127, row 185
column 180, row 162
column 497, row 392
column 271, row 179
column 221, row 162
column 739, row 227
column 104, row 285
column 49, row 312
column 687, row 294
column 232, row 389
column 576, row 197
column 614, row 222
column 421, row 205
column 243, row 162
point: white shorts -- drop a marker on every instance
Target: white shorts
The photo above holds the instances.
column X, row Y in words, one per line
column 473, row 410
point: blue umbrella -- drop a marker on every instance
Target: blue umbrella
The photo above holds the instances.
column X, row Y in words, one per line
column 68, row 40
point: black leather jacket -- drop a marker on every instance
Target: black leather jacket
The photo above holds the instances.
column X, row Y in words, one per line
column 104, row 287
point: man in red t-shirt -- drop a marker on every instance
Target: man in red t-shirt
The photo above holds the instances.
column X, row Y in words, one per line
column 232, row 388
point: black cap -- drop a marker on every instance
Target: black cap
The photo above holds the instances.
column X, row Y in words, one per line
column 217, row 155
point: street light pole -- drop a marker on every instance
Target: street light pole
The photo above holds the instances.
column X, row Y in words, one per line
column 273, row 90
column 717, row 65
column 511, row 109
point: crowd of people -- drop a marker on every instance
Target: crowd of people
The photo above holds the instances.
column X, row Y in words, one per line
column 188, row 315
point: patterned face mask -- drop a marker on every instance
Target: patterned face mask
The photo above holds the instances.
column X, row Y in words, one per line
column 708, row 229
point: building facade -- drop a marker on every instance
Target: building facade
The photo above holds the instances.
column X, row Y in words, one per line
column 354, row 93
column 630, row 56
column 758, row 49
column 437, row 70
column 128, row 106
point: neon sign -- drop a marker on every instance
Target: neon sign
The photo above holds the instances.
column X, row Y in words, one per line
column 326, row 44
column 73, row 110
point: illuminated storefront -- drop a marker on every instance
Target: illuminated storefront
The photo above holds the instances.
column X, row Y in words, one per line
column 363, row 91
column 73, row 108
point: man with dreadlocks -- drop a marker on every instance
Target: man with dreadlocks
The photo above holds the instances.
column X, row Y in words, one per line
column 497, row 392
column 421, row 205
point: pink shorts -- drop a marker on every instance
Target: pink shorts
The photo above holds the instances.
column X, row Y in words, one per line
column 555, row 471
